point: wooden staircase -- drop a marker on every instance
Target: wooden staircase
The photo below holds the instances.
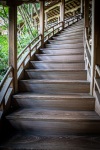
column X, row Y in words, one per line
column 54, row 97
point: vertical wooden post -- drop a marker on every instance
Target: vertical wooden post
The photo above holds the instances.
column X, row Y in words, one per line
column 13, row 43
column 81, row 7
column 95, row 55
column 62, row 12
column 46, row 17
column 86, row 13
column 42, row 22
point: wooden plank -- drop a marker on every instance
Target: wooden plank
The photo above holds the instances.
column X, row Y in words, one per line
column 13, row 44
column 72, row 142
column 5, row 89
column 62, row 12
column 95, row 39
column 42, row 22
column 86, row 13
column 54, row 86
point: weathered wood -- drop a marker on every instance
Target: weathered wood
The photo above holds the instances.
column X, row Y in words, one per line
column 42, row 22
column 13, row 44
column 60, row 102
column 62, row 12
column 86, row 13
column 95, row 56
column 56, row 74
column 57, row 65
column 71, row 142
column 56, row 122
column 82, row 1
column 54, row 86
column 58, row 58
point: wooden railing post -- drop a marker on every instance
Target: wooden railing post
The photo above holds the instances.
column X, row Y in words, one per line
column 62, row 12
column 95, row 54
column 46, row 17
column 81, row 11
column 86, row 13
column 42, row 22
column 13, row 43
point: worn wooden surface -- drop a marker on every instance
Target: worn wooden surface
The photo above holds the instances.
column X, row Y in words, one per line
column 31, row 142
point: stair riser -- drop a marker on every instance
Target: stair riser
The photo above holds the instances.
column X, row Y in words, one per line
column 59, row 104
column 73, row 46
column 68, row 38
column 59, row 58
column 71, row 33
column 63, row 51
column 45, row 65
column 54, row 88
column 66, row 42
column 56, row 127
column 78, row 75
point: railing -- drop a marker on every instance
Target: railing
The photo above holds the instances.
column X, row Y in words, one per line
column 97, row 88
column 97, row 79
column 87, row 55
column 6, row 88
column 6, row 85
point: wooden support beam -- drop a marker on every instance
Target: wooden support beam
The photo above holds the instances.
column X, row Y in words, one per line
column 42, row 22
column 46, row 17
column 95, row 56
column 86, row 13
column 81, row 7
column 13, row 44
column 62, row 11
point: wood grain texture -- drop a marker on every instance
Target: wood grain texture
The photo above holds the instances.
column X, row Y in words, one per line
column 57, row 65
column 31, row 142
column 54, row 86
column 69, row 101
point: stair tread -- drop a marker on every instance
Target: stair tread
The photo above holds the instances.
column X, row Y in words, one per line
column 27, row 141
column 57, row 70
column 46, row 61
column 56, row 97
column 58, row 54
column 61, row 115
column 55, row 81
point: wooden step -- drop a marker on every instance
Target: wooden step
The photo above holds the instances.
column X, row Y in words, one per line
column 68, row 37
column 57, row 65
column 70, row 33
column 59, row 58
column 72, row 30
column 72, row 46
column 28, row 141
column 56, row 74
column 61, row 51
column 55, row 122
column 73, row 41
column 73, row 101
column 54, row 86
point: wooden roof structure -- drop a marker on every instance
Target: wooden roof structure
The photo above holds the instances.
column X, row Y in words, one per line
column 52, row 8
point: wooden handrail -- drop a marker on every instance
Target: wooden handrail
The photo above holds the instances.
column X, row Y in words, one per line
column 87, row 41
column 10, row 69
column 97, row 68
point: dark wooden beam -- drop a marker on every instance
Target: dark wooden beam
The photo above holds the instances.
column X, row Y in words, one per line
column 95, row 56
column 62, row 11
column 13, row 44
column 42, row 21
column 86, row 13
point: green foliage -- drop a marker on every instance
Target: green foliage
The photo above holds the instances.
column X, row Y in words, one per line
column 3, row 55
column 24, row 38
